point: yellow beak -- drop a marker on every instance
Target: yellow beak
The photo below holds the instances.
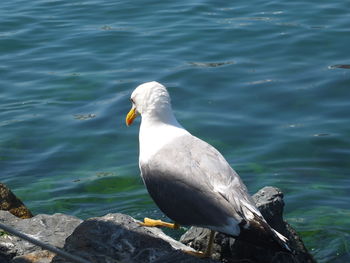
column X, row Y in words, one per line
column 131, row 116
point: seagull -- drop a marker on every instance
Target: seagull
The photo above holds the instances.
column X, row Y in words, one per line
column 189, row 180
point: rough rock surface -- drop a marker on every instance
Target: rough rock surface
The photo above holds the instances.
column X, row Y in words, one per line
column 52, row 229
column 269, row 200
column 9, row 202
column 119, row 238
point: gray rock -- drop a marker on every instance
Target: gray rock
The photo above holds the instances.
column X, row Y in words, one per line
column 119, row 238
column 270, row 202
column 52, row 229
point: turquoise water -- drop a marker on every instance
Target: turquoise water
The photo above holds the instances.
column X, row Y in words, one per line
column 259, row 80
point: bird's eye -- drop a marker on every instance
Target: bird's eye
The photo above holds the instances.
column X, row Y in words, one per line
column 132, row 101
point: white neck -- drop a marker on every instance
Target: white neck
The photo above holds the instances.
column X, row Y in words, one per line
column 156, row 131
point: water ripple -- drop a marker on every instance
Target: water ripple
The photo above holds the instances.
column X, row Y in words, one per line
column 264, row 82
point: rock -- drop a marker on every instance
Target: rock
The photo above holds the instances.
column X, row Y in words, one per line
column 120, row 238
column 270, row 202
column 52, row 229
column 9, row 202
column 42, row 256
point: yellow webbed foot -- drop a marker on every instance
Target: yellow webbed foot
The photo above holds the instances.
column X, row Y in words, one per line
column 158, row 223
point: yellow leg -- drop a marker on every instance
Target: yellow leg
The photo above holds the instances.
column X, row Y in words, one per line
column 210, row 244
column 207, row 253
column 158, row 223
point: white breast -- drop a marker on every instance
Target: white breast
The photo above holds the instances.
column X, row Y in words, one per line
column 154, row 137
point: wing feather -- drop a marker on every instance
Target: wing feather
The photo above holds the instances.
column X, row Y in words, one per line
column 193, row 184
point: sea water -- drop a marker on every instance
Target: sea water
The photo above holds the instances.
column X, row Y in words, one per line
column 266, row 82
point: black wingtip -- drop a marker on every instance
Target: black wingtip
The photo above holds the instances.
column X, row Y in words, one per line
column 258, row 233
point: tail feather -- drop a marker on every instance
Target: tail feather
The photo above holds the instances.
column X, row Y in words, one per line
column 280, row 236
column 257, row 232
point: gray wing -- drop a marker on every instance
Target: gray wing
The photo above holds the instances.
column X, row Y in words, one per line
column 193, row 184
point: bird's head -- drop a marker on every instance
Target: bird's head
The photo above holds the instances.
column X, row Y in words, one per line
column 150, row 99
